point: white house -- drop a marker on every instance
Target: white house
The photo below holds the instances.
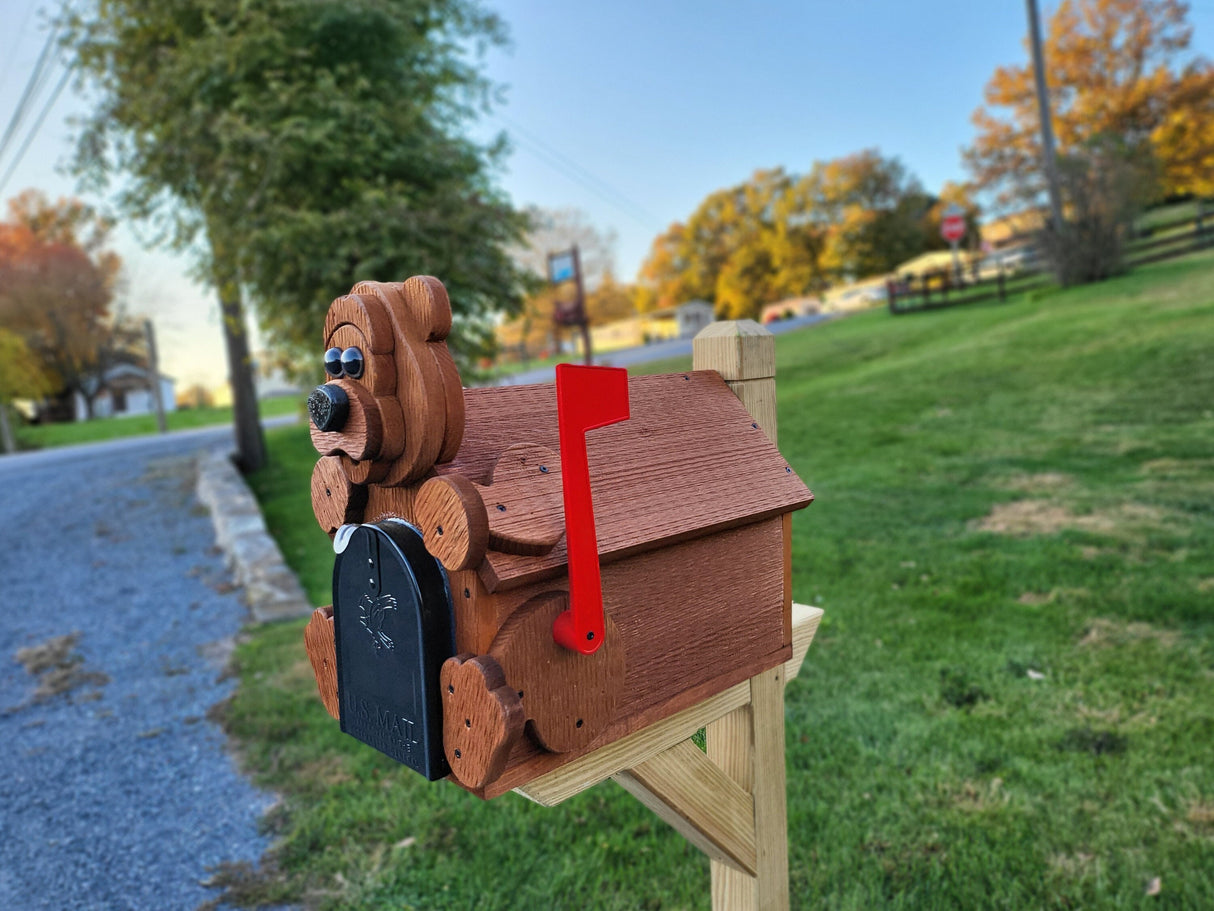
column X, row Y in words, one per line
column 127, row 392
column 692, row 317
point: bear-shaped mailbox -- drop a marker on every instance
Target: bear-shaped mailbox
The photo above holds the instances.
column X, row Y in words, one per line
column 528, row 574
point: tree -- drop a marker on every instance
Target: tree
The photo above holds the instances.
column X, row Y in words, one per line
column 19, row 378
column 300, row 146
column 610, row 301
column 1102, row 186
column 782, row 235
column 743, row 247
column 57, row 284
column 1115, row 68
column 874, row 213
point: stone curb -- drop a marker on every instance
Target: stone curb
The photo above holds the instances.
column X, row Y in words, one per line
column 271, row 590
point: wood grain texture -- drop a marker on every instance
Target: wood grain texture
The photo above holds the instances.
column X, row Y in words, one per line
column 360, row 437
column 572, row 778
column 419, row 386
column 525, row 501
column 569, row 698
column 453, row 401
column 451, row 515
column 368, row 315
column 738, row 350
column 770, row 790
column 786, row 528
column 527, row 762
column 683, row 787
column 322, row 652
column 744, row 354
column 690, row 461
column 391, row 502
column 365, row 471
column 759, row 399
column 393, row 442
column 336, row 500
column 379, row 370
column 482, row 718
column 712, row 630
column 426, row 299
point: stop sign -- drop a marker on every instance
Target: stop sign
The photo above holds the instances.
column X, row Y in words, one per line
column 952, row 225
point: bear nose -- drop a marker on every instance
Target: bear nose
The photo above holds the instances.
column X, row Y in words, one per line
column 328, row 406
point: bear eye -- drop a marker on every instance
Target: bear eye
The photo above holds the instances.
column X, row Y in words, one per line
column 352, row 362
column 333, row 362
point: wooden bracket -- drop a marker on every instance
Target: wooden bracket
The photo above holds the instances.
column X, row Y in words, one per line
column 739, row 824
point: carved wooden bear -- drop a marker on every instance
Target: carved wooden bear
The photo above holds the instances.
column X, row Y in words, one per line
column 691, row 507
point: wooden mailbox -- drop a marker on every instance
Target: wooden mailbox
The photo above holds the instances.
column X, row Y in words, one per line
column 447, row 509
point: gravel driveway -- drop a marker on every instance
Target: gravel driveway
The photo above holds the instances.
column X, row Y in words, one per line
column 115, row 790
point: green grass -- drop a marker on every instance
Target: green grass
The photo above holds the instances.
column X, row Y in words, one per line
column 1010, row 703
column 44, row 436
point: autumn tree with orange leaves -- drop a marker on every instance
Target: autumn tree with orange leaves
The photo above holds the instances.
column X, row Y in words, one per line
column 1116, row 70
column 57, row 284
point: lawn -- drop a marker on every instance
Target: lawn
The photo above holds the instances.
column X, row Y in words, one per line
column 43, row 436
column 1010, row 703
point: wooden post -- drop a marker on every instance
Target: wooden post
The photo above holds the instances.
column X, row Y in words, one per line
column 730, row 802
column 748, row 743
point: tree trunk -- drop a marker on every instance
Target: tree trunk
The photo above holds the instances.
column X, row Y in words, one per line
column 250, row 443
column 6, row 431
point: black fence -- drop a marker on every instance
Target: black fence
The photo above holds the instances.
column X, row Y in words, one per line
column 974, row 283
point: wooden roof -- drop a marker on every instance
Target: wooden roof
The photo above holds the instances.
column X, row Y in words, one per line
column 690, row 461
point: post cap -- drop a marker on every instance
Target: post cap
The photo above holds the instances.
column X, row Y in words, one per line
column 736, row 349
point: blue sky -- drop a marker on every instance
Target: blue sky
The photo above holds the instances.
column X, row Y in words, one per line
column 634, row 111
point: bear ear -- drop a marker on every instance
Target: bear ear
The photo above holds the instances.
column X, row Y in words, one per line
column 426, row 297
column 427, row 300
column 367, row 314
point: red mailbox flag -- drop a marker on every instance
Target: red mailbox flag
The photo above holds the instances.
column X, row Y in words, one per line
column 586, row 398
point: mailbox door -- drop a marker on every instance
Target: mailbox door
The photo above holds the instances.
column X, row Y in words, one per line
column 393, row 626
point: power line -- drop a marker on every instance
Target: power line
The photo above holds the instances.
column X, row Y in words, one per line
column 32, row 87
column 29, row 137
column 17, row 36
column 578, row 174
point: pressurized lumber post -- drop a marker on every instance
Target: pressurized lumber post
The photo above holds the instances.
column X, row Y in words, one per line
column 748, row 743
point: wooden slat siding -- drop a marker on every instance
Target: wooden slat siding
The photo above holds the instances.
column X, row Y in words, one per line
column 686, row 464
column 681, row 653
column 575, row 777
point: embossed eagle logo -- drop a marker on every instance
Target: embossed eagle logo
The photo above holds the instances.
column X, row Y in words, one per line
column 372, row 612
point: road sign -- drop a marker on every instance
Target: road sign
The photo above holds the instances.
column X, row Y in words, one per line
column 952, row 225
column 561, row 266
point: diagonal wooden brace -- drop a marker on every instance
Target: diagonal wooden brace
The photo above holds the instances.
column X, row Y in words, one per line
column 730, row 802
column 730, row 805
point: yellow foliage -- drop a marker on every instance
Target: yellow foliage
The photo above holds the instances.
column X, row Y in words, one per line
column 1112, row 69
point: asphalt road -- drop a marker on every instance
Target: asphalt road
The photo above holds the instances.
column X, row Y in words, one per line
column 628, row 357
column 115, row 788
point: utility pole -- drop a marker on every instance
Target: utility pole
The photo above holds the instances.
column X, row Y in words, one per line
column 1043, row 113
column 581, row 306
column 149, row 334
